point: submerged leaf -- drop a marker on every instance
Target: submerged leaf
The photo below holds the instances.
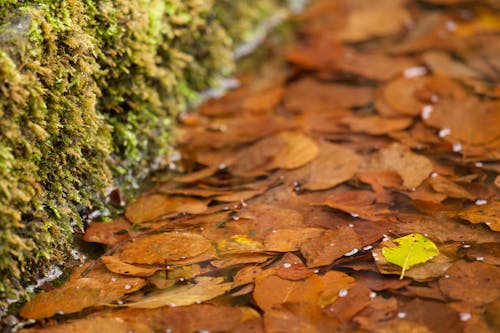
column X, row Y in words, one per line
column 412, row 249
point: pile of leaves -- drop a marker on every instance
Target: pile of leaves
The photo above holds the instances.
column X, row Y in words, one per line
column 350, row 183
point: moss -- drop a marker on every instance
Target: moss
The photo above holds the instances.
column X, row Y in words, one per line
column 89, row 90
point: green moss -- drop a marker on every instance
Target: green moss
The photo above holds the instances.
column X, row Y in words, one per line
column 89, row 91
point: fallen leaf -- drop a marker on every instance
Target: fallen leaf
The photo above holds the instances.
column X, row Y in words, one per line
column 289, row 240
column 99, row 287
column 203, row 289
column 365, row 21
column 488, row 213
column 108, row 233
column 412, row 168
column 412, row 249
column 330, row 245
column 474, row 283
column 334, row 165
column 309, row 95
column 114, row 264
column 376, row 125
column 154, row 206
column 286, row 150
column 350, row 302
column 358, row 204
column 164, row 247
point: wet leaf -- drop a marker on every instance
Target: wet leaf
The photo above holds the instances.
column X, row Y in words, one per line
column 114, row 264
column 203, row 289
column 154, row 206
column 412, row 168
column 99, row 287
column 412, row 249
column 474, row 283
column 165, row 247
column 330, row 245
column 334, row 165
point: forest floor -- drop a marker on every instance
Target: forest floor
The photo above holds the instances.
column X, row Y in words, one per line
column 350, row 183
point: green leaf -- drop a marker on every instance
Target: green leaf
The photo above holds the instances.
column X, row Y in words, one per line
column 412, row 249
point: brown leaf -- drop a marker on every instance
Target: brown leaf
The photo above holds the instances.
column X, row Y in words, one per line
column 334, row 165
column 488, row 213
column 330, row 245
column 289, row 240
column 474, row 283
column 298, row 318
column 169, row 246
column 114, row 264
column 358, row 204
column 467, row 121
column 285, row 150
column 365, row 21
column 99, row 287
column 308, row 95
column 204, row 288
column 376, row 125
column 350, row 302
column 107, row 232
column 412, row 168
column 154, row 206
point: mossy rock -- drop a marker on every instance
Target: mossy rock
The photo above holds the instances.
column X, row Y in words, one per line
column 89, row 92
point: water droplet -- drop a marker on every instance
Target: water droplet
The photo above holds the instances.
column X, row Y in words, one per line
column 480, row 258
column 450, row 25
column 464, row 316
column 316, row 271
column 351, row 253
column 373, row 294
column 128, row 286
column 274, row 231
column 479, row 164
column 447, row 276
column 198, row 301
column 415, row 71
column 401, row 315
column 236, row 218
column 444, row 132
column 60, row 313
column 168, row 330
column 434, row 174
column 466, row 246
column 243, row 203
column 351, row 225
column 457, row 147
column 343, row 292
column 182, row 279
column 222, row 166
column 354, row 215
column 426, row 111
column 368, row 247
column 480, row 202
column 113, row 279
column 287, row 265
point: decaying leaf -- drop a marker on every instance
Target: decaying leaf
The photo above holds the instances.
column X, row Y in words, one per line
column 412, row 249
